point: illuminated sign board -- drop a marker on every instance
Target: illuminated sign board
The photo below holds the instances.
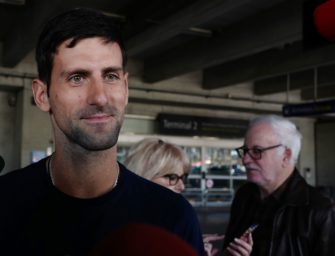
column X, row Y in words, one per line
column 201, row 126
column 309, row 109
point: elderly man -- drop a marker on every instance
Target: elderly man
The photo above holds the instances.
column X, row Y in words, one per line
column 292, row 218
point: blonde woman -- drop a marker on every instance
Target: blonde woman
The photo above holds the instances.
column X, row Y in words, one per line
column 161, row 162
column 167, row 165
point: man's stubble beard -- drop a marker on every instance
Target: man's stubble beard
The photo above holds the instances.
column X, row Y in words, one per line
column 91, row 142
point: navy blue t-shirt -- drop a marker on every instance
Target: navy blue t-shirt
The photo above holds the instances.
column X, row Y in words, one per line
column 38, row 219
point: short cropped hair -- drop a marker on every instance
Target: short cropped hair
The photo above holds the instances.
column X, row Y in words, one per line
column 74, row 24
column 151, row 158
column 285, row 130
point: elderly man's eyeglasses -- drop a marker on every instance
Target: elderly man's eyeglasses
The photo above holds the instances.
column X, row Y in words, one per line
column 255, row 153
column 174, row 178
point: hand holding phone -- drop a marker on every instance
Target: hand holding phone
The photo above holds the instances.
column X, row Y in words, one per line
column 237, row 247
column 251, row 229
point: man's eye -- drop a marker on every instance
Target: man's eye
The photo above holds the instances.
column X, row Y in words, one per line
column 76, row 78
column 112, row 76
column 256, row 150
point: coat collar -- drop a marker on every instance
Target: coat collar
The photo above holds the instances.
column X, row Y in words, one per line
column 296, row 191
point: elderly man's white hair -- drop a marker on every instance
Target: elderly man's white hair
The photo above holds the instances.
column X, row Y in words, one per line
column 286, row 131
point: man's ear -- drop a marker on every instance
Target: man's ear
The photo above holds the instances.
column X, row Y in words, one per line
column 287, row 157
column 40, row 92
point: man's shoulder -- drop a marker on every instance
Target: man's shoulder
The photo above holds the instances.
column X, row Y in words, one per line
column 153, row 203
column 314, row 196
column 139, row 188
column 142, row 185
column 311, row 197
column 21, row 191
column 33, row 167
column 23, row 179
column 318, row 199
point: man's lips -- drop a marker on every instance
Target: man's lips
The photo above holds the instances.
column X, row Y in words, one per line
column 250, row 169
column 97, row 118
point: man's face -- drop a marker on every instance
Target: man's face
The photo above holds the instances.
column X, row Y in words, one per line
column 268, row 171
column 88, row 93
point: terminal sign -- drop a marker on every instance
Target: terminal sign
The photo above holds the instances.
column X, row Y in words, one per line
column 309, row 109
column 201, row 126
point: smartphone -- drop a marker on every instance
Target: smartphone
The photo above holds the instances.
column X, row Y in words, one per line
column 251, row 228
column 248, row 231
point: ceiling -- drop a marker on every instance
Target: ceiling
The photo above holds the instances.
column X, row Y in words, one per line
column 230, row 41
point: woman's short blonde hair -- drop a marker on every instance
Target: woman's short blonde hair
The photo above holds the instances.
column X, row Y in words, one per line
column 151, row 158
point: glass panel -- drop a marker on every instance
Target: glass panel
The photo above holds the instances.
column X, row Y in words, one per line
column 194, row 154
column 218, row 161
column 193, row 191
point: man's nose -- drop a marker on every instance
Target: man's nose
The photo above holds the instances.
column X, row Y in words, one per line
column 97, row 93
column 246, row 158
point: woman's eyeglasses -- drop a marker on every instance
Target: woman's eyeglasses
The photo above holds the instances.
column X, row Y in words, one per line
column 174, row 178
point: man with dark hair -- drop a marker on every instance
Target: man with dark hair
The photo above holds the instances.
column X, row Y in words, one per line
column 286, row 215
column 70, row 202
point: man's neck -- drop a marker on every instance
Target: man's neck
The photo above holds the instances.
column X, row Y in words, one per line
column 86, row 176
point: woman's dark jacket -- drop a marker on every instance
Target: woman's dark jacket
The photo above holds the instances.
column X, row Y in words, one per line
column 304, row 224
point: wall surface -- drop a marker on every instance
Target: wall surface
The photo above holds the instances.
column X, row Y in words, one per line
column 325, row 141
column 7, row 130
column 306, row 162
column 36, row 127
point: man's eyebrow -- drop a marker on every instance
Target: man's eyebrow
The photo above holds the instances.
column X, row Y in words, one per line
column 66, row 73
column 112, row 69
